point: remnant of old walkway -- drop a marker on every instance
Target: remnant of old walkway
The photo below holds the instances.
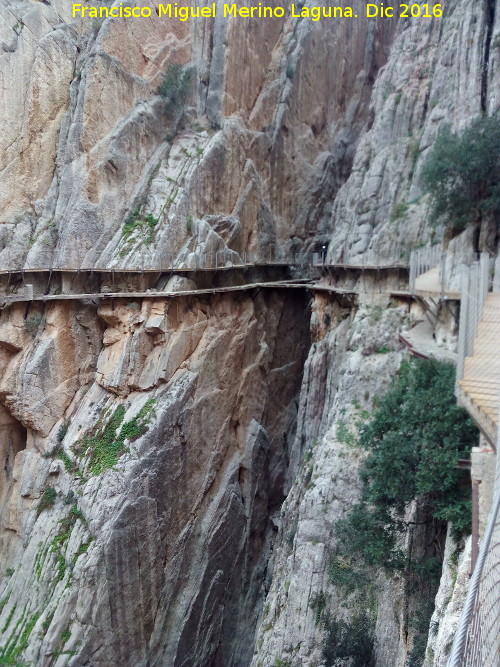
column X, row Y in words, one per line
column 153, row 294
column 343, row 275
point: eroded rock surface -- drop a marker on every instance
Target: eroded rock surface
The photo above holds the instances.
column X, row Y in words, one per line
column 265, row 146
column 343, row 373
column 134, row 557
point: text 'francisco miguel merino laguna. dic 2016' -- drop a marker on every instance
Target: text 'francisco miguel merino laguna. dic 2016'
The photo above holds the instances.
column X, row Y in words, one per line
column 261, row 11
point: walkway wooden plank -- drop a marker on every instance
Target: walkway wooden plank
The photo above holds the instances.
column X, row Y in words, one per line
column 479, row 390
column 428, row 284
column 279, row 284
column 490, row 400
column 474, row 385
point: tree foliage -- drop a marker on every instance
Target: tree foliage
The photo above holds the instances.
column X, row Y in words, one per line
column 415, row 437
column 462, row 173
column 354, row 641
column 175, row 87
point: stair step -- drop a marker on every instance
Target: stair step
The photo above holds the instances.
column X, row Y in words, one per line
column 472, row 384
column 486, row 402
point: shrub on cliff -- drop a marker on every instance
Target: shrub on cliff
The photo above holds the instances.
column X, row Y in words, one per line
column 47, row 500
column 353, row 641
column 175, row 87
column 462, row 173
column 414, row 438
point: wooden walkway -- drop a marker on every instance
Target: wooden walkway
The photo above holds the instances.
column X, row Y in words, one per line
column 212, row 267
column 428, row 284
column 480, row 387
column 153, row 294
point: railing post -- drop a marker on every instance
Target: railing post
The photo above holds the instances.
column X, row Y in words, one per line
column 462, row 328
column 412, row 272
column 484, row 276
column 442, row 271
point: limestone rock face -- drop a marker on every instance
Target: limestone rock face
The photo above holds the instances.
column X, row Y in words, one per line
column 342, row 375
column 124, row 560
column 46, row 357
column 265, row 145
column 438, row 72
column 450, row 601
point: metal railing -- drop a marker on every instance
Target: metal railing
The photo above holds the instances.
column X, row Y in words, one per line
column 477, row 639
column 223, row 258
column 423, row 260
column 475, row 286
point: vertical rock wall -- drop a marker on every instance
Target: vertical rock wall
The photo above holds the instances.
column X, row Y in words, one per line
column 273, row 115
column 156, row 554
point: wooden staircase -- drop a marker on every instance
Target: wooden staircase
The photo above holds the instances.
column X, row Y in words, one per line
column 479, row 390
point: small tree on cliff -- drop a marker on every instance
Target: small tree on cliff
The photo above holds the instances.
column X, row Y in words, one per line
column 414, row 439
column 412, row 487
column 175, row 87
column 462, row 174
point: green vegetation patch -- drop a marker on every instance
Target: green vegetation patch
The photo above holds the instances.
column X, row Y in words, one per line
column 175, row 87
column 318, row 604
column 59, row 541
column 4, row 601
column 63, row 429
column 145, row 225
column 47, row 500
column 353, row 641
column 413, row 438
column 59, row 453
column 102, row 443
column 462, row 173
column 399, row 211
column 17, row 643
column 47, row 621
column 9, row 618
column 83, row 548
column 32, row 323
column 27, row 630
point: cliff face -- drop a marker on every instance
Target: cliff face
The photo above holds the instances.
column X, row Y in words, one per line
column 346, row 370
column 289, row 106
column 148, row 445
column 131, row 563
column 438, row 72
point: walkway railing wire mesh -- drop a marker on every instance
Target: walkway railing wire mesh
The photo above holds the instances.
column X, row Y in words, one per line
column 477, row 639
column 205, row 260
column 475, row 285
